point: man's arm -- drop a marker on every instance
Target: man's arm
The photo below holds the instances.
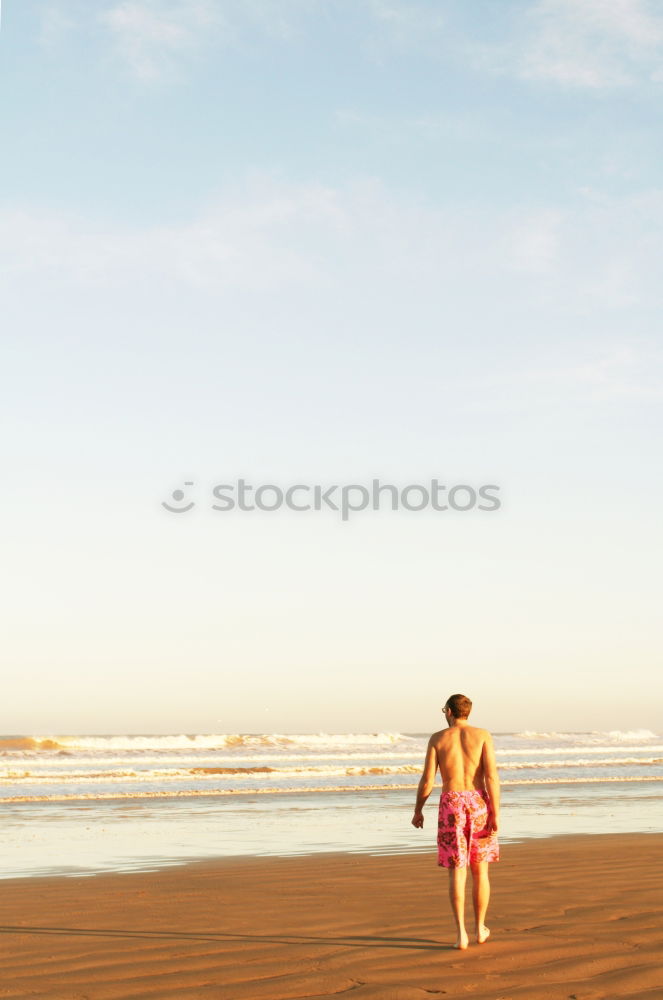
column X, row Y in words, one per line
column 491, row 782
column 426, row 783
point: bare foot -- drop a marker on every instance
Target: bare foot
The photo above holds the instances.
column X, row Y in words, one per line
column 483, row 933
column 462, row 941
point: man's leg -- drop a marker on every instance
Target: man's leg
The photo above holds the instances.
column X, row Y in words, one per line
column 480, row 897
column 457, row 877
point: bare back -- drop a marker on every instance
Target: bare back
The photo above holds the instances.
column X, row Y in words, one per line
column 464, row 756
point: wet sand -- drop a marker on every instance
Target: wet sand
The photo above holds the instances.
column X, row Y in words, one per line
column 571, row 917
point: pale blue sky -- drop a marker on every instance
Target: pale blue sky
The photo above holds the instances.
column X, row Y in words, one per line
column 322, row 242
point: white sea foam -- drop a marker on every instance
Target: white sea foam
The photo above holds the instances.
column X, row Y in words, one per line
column 140, row 758
column 235, row 763
column 204, row 741
column 600, row 748
column 51, row 775
column 14, row 776
column 308, row 745
column 103, row 759
column 631, row 735
column 312, row 790
column 618, row 735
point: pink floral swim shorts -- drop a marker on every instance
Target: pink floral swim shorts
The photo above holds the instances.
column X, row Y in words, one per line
column 462, row 837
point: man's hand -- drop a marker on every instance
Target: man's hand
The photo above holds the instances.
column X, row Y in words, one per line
column 418, row 819
column 492, row 823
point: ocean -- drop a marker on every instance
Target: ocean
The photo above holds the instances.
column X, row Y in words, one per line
column 79, row 805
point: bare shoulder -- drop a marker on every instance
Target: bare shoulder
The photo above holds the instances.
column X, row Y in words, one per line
column 436, row 737
column 478, row 737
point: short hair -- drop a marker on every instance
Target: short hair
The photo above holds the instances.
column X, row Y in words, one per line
column 459, row 705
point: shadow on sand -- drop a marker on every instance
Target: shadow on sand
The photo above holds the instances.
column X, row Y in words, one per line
column 351, row 941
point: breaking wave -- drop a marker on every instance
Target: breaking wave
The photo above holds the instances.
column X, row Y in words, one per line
column 631, row 735
column 28, row 743
column 214, row 741
column 236, row 792
column 618, row 735
column 328, row 771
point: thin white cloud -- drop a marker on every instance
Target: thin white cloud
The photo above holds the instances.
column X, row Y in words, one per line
column 153, row 38
column 259, row 239
column 397, row 25
column 623, row 370
column 592, row 44
column 560, row 301
column 406, row 18
column 149, row 34
column 427, row 126
column 623, row 367
column 602, row 254
column 532, row 244
column 55, row 24
column 599, row 253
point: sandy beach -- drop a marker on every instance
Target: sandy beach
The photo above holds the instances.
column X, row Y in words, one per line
column 571, row 917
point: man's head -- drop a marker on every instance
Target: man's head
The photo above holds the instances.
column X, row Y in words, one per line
column 459, row 706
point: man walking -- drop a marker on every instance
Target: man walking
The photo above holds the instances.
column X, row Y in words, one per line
column 469, row 810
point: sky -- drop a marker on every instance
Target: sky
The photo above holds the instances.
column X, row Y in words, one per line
column 322, row 242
